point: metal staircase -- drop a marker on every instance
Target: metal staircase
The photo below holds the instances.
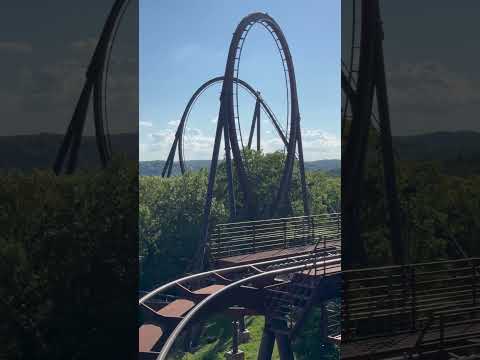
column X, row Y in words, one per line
column 286, row 309
column 288, row 304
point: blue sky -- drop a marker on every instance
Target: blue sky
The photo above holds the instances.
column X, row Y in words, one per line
column 184, row 43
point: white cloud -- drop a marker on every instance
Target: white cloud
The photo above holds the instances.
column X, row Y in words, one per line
column 173, row 123
column 197, row 145
column 430, row 84
column 146, row 124
column 318, row 145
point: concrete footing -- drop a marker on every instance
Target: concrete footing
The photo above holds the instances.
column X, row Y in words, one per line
column 240, row 355
column 244, row 336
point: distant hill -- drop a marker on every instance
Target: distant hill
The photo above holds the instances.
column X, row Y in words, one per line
column 325, row 165
column 154, row 168
column 440, row 146
column 39, row 151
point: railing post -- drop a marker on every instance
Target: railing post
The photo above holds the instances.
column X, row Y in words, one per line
column 474, row 285
column 324, row 265
column 235, row 337
column 219, row 243
column 414, row 298
column 339, row 224
column 390, row 300
column 312, row 232
column 345, row 322
column 253, row 238
column 442, row 330
column 285, row 233
column 303, row 232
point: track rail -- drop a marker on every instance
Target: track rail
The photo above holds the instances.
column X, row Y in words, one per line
column 216, row 290
column 178, row 143
column 417, row 309
column 230, row 115
column 96, row 79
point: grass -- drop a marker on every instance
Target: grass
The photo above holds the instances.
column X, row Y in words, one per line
column 220, row 329
column 217, row 340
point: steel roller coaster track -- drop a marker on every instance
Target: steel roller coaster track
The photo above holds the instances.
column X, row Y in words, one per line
column 178, row 143
column 361, row 83
column 239, row 290
column 95, row 85
column 283, row 289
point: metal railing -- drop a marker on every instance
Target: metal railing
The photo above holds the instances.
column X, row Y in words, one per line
column 446, row 328
column 402, row 298
column 251, row 237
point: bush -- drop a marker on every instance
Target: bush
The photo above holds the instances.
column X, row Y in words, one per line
column 68, row 266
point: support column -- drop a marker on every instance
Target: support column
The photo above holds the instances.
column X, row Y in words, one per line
column 235, row 353
column 285, row 347
column 324, row 326
column 266, row 345
column 244, row 333
column 228, row 160
column 196, row 334
column 257, row 109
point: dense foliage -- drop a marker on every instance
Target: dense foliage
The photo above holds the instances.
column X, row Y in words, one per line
column 170, row 219
column 68, row 264
column 438, row 211
column 170, row 215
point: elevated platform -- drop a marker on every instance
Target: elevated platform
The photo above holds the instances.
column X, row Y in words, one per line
column 267, row 255
column 386, row 347
column 428, row 309
column 248, row 242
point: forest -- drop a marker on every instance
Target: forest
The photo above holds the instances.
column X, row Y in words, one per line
column 170, row 216
column 68, row 266
column 171, row 209
column 439, row 201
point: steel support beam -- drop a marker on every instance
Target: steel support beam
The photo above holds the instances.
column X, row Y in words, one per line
column 371, row 81
column 284, row 345
column 399, row 250
column 94, row 84
column 266, row 345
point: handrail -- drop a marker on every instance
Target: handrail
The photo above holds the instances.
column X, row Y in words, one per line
column 439, row 262
column 279, row 219
column 179, row 328
column 413, row 292
column 247, row 237
column 217, row 271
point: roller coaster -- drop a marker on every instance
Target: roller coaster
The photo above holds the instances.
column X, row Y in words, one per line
column 278, row 267
column 94, row 86
column 283, row 267
column 400, row 311
column 283, row 287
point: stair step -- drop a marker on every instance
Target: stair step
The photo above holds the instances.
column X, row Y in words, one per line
column 176, row 308
column 148, row 337
column 209, row 290
column 297, row 300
